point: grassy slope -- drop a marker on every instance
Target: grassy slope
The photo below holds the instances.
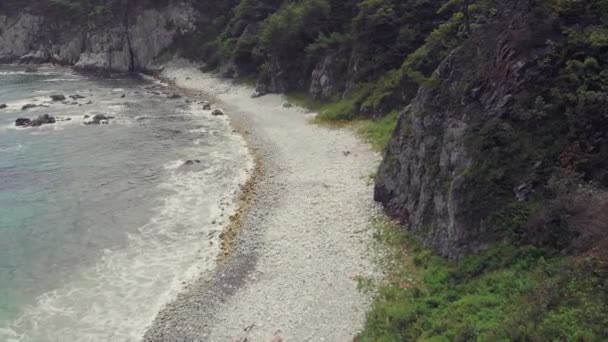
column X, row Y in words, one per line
column 376, row 132
column 507, row 293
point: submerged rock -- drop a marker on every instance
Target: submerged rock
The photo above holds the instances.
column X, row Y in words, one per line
column 58, row 97
column 287, row 105
column 76, row 97
column 99, row 119
column 206, row 106
column 192, row 162
column 29, row 106
column 174, row 96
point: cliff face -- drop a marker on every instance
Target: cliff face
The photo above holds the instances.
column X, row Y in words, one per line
column 437, row 174
column 127, row 40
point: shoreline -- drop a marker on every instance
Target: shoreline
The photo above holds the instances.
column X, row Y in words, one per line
column 303, row 233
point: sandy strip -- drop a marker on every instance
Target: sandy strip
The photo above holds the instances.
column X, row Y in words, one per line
column 293, row 272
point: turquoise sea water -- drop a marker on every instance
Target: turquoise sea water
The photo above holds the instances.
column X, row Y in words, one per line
column 102, row 225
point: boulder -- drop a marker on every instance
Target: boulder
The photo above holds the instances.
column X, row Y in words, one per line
column 217, row 112
column 58, row 97
column 29, row 106
column 42, row 120
column 23, row 122
column 3, row 105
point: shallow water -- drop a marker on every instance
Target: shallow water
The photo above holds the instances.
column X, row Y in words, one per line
column 102, row 225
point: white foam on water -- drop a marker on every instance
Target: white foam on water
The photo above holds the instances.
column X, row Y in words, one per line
column 13, row 148
column 119, row 297
column 62, row 80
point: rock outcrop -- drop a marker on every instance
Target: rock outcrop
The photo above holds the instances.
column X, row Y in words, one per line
column 429, row 177
column 129, row 42
column 324, row 83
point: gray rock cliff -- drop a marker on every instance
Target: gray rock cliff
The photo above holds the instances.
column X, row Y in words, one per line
column 120, row 43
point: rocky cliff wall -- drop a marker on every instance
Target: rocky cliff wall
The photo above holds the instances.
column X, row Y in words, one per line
column 453, row 167
column 127, row 41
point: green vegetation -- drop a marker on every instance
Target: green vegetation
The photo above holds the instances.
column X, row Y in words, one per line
column 507, row 293
column 378, row 132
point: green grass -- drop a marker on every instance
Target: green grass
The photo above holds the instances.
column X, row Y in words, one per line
column 379, row 132
column 343, row 112
column 507, row 293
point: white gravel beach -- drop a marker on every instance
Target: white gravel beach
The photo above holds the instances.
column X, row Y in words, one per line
column 304, row 241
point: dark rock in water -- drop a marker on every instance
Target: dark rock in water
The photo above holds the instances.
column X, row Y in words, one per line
column 192, row 162
column 123, row 96
column 3, row 105
column 23, row 122
column 87, row 116
column 42, row 120
column 28, row 106
column 218, row 112
column 31, row 69
column 63, row 119
column 287, row 105
column 207, row 106
column 90, row 102
column 58, row 97
column 174, row 96
column 76, row 97
column 99, row 119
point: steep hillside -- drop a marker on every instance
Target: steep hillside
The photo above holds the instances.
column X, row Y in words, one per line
column 516, row 120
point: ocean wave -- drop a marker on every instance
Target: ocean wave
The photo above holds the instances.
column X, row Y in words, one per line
column 62, row 80
column 119, row 297
column 12, row 148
